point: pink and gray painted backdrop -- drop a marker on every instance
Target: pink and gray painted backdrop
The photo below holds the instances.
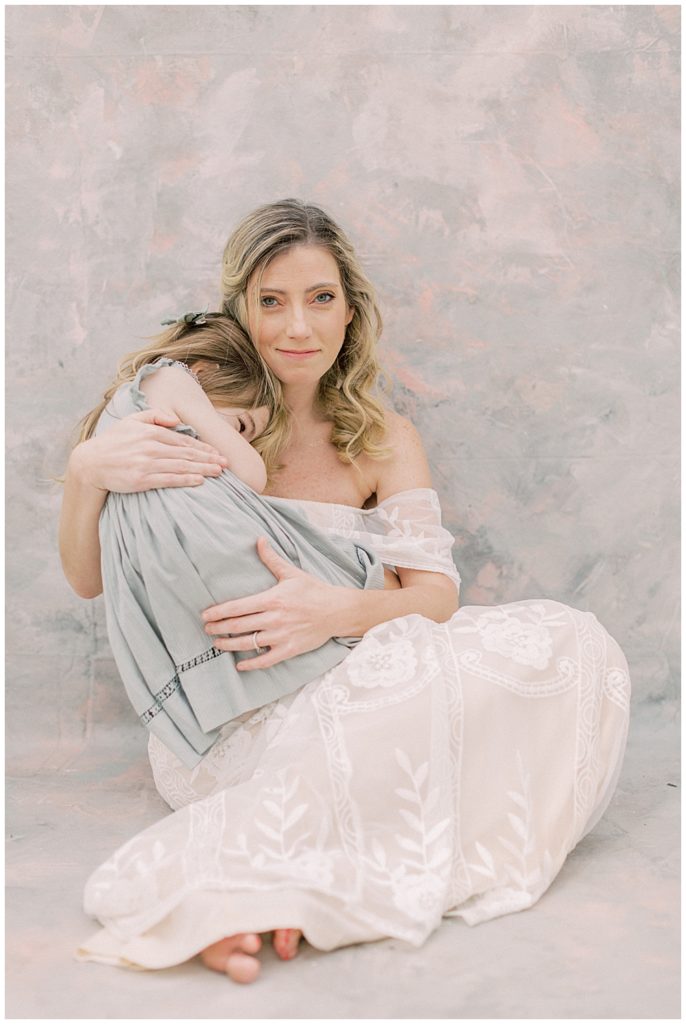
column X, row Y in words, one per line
column 510, row 177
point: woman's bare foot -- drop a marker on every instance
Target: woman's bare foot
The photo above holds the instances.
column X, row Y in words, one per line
column 285, row 941
column 235, row 956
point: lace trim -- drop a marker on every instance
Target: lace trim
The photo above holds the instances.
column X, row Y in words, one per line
column 175, row 682
column 186, row 367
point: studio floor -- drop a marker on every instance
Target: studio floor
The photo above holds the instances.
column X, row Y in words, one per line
column 604, row 941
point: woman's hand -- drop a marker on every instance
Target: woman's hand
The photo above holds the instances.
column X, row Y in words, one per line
column 293, row 616
column 137, row 454
column 140, row 453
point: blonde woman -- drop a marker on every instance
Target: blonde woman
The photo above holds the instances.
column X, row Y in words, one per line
column 446, row 767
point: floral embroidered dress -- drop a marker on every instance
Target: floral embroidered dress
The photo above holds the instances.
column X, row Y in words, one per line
column 440, row 769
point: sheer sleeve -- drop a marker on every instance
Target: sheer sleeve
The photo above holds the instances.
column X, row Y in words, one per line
column 405, row 530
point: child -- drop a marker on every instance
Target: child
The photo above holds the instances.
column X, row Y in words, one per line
column 169, row 554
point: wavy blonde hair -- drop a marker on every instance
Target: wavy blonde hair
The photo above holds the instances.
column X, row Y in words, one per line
column 235, row 375
column 346, row 391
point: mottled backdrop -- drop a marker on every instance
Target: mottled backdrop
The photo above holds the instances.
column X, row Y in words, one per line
column 510, row 176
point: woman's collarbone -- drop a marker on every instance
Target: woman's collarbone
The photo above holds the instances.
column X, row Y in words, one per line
column 323, row 480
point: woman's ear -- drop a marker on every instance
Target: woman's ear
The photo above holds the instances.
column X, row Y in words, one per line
column 351, row 314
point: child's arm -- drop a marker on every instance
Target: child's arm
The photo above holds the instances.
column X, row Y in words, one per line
column 173, row 388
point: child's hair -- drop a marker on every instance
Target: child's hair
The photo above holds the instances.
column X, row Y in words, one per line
column 235, row 377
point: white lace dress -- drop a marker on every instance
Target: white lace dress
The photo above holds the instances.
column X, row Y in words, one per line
column 441, row 769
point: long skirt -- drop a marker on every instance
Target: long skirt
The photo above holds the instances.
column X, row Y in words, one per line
column 440, row 769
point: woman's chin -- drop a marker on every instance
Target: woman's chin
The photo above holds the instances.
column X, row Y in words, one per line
column 296, row 372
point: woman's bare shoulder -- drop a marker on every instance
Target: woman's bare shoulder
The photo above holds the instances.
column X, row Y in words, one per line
column 407, row 466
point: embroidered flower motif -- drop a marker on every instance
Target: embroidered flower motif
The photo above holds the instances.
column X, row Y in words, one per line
column 522, row 642
column 419, row 896
column 375, row 664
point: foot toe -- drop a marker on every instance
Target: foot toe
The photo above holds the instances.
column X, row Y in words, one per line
column 285, row 942
column 250, row 942
column 242, row 968
column 216, row 956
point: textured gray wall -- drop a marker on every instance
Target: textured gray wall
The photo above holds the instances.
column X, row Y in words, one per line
column 510, row 176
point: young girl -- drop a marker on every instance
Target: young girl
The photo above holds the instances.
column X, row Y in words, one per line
column 168, row 554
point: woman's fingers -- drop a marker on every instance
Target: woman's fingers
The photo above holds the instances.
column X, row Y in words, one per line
column 244, row 641
column 246, row 624
column 173, row 439
column 236, row 610
column 157, row 481
column 183, row 465
column 275, row 654
column 173, row 446
column 163, row 421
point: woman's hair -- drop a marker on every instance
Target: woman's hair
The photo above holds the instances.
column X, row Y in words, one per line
column 346, row 390
column 236, row 375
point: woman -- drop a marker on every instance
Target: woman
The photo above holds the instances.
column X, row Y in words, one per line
column 447, row 765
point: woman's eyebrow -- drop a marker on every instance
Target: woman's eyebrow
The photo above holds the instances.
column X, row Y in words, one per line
column 312, row 288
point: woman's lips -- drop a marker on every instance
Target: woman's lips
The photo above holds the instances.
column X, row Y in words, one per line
column 294, row 354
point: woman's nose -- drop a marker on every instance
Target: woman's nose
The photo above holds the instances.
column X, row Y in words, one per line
column 297, row 326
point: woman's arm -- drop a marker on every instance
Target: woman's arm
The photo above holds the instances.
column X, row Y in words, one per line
column 301, row 612
column 139, row 453
column 428, row 593
column 174, row 388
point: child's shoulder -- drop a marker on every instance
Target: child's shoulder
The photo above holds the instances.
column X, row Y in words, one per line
column 162, row 367
column 166, row 373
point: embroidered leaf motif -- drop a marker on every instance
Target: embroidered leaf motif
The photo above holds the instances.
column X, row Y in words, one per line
column 379, row 852
column 517, row 798
column 489, row 869
column 421, row 775
column 486, row 856
column 441, row 857
column 408, row 794
column 409, row 844
column 273, row 808
column 271, row 832
column 517, row 824
column 480, row 871
column 509, row 846
column 412, row 819
column 296, row 815
column 300, row 840
column 515, row 875
column 403, row 760
column 437, row 830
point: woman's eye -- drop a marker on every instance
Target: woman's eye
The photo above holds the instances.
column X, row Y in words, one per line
column 327, row 296
column 269, row 301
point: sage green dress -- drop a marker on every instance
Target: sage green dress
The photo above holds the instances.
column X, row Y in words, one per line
column 169, row 554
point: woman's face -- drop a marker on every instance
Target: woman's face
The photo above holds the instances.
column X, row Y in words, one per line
column 299, row 318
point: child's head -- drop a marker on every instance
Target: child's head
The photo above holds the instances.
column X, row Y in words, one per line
column 217, row 349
